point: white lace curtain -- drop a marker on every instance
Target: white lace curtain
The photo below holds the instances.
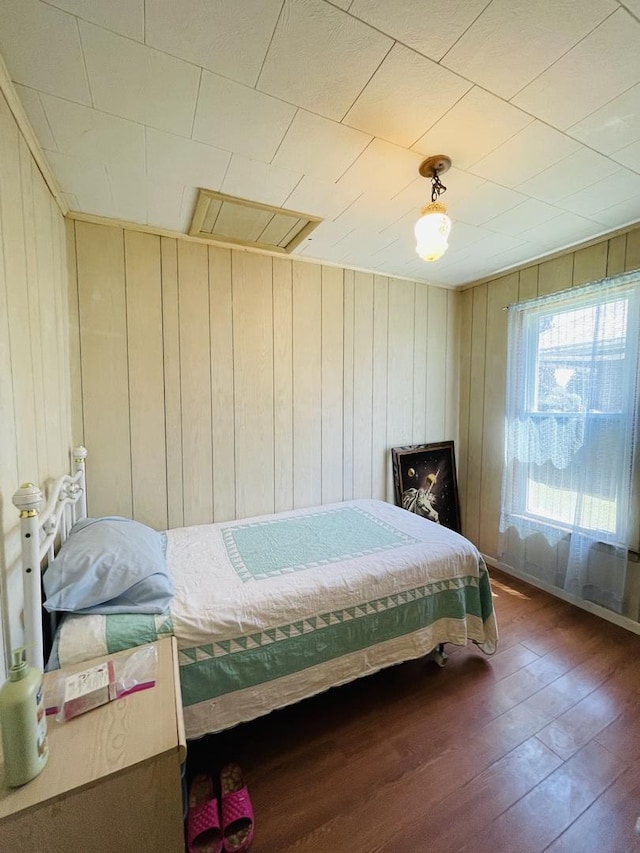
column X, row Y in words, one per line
column 569, row 504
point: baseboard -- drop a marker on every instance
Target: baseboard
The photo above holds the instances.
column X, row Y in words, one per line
column 609, row 615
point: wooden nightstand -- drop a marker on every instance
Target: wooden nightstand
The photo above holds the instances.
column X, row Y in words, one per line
column 112, row 782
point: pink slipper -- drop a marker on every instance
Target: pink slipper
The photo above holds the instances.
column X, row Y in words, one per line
column 203, row 820
column 236, row 810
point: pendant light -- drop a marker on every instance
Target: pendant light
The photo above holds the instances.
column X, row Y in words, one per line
column 433, row 227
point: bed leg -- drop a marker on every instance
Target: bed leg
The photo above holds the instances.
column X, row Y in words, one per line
column 439, row 655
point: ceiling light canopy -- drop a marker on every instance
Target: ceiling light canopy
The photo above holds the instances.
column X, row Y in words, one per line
column 433, row 227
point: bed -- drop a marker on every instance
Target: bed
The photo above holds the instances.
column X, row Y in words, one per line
column 270, row 610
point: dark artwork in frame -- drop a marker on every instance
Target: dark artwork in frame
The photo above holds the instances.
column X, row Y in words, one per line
column 424, row 477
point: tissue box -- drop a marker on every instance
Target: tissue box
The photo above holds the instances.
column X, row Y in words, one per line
column 86, row 690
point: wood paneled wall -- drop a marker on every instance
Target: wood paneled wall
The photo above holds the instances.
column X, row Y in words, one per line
column 483, row 357
column 35, row 399
column 219, row 384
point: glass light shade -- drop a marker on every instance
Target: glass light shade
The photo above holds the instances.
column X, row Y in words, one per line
column 432, row 230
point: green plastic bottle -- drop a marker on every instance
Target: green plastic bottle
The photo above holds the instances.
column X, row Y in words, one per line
column 23, row 722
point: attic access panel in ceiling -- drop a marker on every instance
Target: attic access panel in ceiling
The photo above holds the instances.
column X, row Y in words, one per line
column 247, row 223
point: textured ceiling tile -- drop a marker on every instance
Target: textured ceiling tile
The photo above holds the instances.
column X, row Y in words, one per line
column 41, row 47
column 371, row 212
column 382, row 167
column 602, row 66
column 321, row 58
column 524, row 155
column 227, row 37
column 481, row 205
column 320, row 198
column 570, row 175
column 128, row 197
column 526, row 215
column 88, row 181
column 562, row 231
column 183, row 161
column 239, row 119
column 629, row 156
column 32, row 103
column 92, row 135
column 613, row 126
column 621, row 214
column 257, row 181
column 164, row 205
column 604, row 193
column 125, row 17
column 513, row 41
column 493, row 120
column 405, row 96
column 134, row 81
column 420, row 24
column 319, row 147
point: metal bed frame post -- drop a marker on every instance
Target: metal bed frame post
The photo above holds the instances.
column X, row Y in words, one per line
column 28, row 499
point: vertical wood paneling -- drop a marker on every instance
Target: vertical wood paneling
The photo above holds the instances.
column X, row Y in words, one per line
column 437, row 364
column 380, row 448
column 253, row 372
column 590, row 264
column 146, row 378
column 494, row 406
column 462, row 453
column 77, row 424
column 35, row 431
column 103, row 339
column 420, row 359
column 399, row 370
column 527, row 285
column 332, row 383
column 283, row 383
column 347, row 384
column 307, row 384
column 15, row 265
column 632, row 256
column 171, row 370
column 476, row 412
column 195, row 381
column 452, row 383
column 556, row 274
column 222, row 384
column 362, row 385
column 617, row 248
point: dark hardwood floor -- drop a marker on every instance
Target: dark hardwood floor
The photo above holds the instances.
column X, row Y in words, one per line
column 536, row 748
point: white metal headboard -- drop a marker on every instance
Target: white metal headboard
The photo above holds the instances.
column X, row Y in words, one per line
column 41, row 532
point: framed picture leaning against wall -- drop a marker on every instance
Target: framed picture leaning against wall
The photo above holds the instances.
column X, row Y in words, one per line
column 425, row 482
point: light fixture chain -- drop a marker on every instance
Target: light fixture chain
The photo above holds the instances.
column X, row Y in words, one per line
column 437, row 187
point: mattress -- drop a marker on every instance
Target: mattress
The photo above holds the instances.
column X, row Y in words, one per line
column 270, row 610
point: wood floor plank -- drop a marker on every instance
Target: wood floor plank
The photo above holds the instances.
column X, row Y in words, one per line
column 535, row 748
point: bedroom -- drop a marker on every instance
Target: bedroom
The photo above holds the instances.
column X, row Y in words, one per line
column 311, row 372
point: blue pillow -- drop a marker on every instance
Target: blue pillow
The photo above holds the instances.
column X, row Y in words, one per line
column 109, row 565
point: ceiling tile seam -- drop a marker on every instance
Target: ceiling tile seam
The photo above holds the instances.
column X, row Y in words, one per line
column 195, row 104
column 562, row 56
column 297, row 184
column 593, row 112
column 463, row 95
column 144, row 21
column 630, row 11
column 371, row 76
column 283, row 137
column 266, row 53
column 38, row 93
column 462, row 35
column 80, row 17
column 84, row 62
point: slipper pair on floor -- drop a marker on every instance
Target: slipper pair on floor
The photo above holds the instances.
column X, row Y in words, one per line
column 211, row 829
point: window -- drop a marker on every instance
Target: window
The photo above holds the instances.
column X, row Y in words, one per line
column 581, row 362
column 570, row 431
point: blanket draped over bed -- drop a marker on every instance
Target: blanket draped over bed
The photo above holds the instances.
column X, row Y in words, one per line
column 270, row 610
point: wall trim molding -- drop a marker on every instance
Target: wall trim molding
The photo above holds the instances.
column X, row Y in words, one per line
column 157, row 231
column 541, row 259
column 24, row 126
column 609, row 615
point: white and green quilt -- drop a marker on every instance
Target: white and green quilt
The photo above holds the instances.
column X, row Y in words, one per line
column 270, row 610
